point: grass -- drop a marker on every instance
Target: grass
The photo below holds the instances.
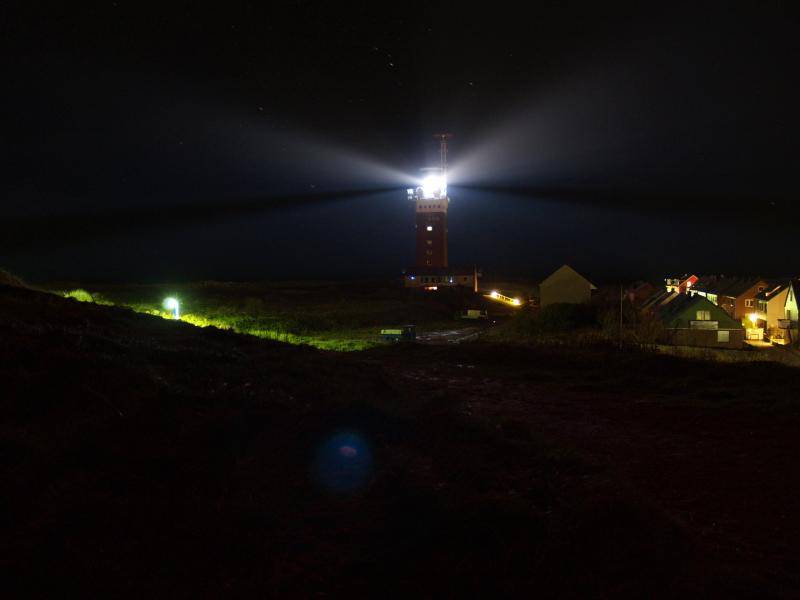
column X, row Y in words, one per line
column 337, row 317
column 150, row 458
column 603, row 368
column 206, row 484
column 714, row 354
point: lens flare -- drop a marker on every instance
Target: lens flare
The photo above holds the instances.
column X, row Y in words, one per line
column 343, row 463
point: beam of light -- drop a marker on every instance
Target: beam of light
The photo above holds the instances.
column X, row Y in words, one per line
column 212, row 165
column 638, row 132
column 343, row 463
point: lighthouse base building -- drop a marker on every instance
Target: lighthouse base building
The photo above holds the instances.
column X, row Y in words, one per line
column 433, row 278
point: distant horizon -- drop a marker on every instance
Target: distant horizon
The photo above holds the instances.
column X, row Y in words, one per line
column 496, row 276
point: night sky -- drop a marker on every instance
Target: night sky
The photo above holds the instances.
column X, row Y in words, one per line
column 159, row 141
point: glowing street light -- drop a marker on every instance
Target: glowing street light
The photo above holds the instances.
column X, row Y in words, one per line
column 173, row 304
column 494, row 294
column 753, row 318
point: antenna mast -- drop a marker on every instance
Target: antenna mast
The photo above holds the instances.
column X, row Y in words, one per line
column 443, row 155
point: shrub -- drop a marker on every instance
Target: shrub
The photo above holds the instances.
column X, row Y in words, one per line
column 563, row 316
column 254, row 306
column 80, row 295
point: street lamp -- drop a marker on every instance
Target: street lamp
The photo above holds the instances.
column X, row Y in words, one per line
column 173, row 304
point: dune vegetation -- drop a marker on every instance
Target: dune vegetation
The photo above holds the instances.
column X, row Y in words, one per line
column 145, row 456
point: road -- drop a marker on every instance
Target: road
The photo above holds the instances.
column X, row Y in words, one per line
column 456, row 336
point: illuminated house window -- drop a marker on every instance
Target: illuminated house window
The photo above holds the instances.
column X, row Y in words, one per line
column 430, row 228
column 703, row 315
column 723, row 336
column 430, row 242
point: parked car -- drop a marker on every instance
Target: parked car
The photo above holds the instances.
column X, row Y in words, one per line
column 407, row 333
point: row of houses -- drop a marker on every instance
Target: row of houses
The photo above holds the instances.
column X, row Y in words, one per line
column 709, row 311
column 723, row 311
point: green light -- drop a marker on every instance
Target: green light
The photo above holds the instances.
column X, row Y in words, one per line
column 173, row 304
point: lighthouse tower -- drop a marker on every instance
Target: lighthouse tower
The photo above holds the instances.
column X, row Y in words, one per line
column 430, row 206
column 432, row 270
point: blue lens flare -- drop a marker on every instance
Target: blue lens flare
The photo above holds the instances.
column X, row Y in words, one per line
column 343, row 463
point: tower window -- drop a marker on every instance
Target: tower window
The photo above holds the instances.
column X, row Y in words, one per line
column 430, row 228
column 430, row 242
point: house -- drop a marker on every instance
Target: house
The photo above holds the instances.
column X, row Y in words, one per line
column 713, row 287
column 770, row 307
column 692, row 320
column 791, row 307
column 737, row 300
column 565, row 285
column 661, row 297
column 639, row 292
column 702, row 284
column 681, row 284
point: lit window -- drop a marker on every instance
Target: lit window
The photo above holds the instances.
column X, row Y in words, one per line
column 723, row 337
column 748, row 303
column 703, row 315
column 430, row 242
column 430, row 228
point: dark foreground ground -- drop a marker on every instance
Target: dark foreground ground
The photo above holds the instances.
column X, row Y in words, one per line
column 148, row 458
